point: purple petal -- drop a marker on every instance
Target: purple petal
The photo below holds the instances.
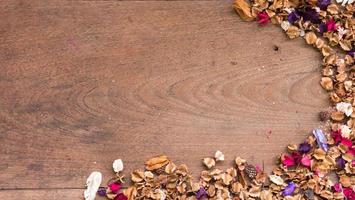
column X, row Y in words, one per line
column 309, row 14
column 289, row 189
column 340, row 162
column 321, row 139
column 323, row 4
column 304, row 147
column 351, row 52
column 201, row 193
column 293, row 17
column 322, row 28
column 101, row 192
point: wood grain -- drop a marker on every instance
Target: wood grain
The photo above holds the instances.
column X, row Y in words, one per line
column 43, row 194
column 83, row 83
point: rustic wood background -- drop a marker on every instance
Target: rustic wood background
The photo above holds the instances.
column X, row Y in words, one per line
column 85, row 82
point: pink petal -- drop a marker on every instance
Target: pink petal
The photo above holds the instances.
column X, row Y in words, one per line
column 306, row 161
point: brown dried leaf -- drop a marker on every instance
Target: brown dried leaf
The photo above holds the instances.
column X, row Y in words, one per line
column 156, row 162
column 337, row 116
column 130, row 192
column 243, row 8
column 326, row 83
column 311, row 38
column 333, row 9
column 209, row 162
column 293, row 32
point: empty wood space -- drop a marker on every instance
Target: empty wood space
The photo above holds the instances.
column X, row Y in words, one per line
column 85, row 82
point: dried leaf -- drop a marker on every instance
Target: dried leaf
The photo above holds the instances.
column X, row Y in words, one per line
column 209, row 162
column 243, row 8
column 276, row 179
column 156, row 162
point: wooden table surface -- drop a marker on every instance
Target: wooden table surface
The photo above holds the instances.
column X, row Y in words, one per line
column 85, row 82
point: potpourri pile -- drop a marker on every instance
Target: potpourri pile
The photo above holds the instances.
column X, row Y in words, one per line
column 322, row 167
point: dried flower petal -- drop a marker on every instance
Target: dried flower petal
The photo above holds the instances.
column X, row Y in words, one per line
column 276, row 179
column 340, row 163
column 309, row 14
column 156, row 162
column 336, row 135
column 293, row 17
column 285, row 25
column 121, row 196
column 242, row 7
column 345, row 131
column 304, row 147
column 114, row 187
column 337, row 187
column 117, row 165
column 323, row 4
column 321, row 139
column 209, row 162
column 92, row 185
column 289, row 189
column 219, row 156
column 345, row 108
column 331, row 25
column 349, row 193
column 311, row 38
column 101, row 191
column 306, row 161
column 288, row 161
column 201, row 194
column 263, row 18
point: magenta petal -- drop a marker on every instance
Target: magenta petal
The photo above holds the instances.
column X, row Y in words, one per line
column 347, row 142
column 337, row 187
column 288, row 161
column 114, row 187
column 121, row 196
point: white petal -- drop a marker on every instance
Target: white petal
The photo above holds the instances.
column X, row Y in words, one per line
column 276, row 179
column 345, row 131
column 285, row 25
column 92, row 185
column 302, row 33
column 219, row 156
column 346, row 108
column 117, row 165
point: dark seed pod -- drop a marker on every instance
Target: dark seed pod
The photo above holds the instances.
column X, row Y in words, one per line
column 324, row 116
column 251, row 172
column 309, row 194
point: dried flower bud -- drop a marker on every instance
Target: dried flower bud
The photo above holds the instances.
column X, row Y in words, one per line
column 324, row 116
column 250, row 170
